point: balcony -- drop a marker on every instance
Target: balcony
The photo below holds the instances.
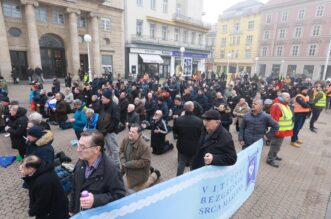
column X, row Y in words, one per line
column 169, row 42
column 190, row 21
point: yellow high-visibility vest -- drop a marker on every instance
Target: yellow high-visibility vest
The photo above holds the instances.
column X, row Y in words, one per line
column 321, row 102
column 286, row 120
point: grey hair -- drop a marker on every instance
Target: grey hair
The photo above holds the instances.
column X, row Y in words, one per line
column 259, row 101
column 35, row 118
column 189, row 106
column 90, row 111
column 78, row 102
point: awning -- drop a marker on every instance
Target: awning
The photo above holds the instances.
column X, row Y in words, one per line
column 148, row 58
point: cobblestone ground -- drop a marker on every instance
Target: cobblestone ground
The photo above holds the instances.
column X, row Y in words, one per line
column 299, row 188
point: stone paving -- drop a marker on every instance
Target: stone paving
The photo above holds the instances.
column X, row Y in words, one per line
column 299, row 188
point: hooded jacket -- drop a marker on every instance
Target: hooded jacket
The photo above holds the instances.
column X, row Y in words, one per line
column 17, row 130
column 47, row 198
column 80, row 119
column 42, row 148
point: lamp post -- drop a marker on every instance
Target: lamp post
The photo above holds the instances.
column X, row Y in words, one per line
column 256, row 60
column 327, row 60
column 182, row 50
column 88, row 39
column 281, row 68
column 228, row 68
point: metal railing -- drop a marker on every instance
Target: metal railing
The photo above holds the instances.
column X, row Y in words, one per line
column 186, row 19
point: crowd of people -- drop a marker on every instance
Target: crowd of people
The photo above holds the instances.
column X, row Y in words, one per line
column 199, row 112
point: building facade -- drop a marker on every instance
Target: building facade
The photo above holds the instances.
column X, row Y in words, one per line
column 238, row 29
column 155, row 31
column 294, row 38
column 210, row 42
column 50, row 35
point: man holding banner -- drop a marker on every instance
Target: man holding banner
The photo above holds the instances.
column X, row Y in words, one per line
column 216, row 146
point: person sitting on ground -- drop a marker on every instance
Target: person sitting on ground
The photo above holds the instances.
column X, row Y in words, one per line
column 135, row 159
column 133, row 116
column 47, row 197
column 37, row 119
column 61, row 112
column 92, row 119
column 79, row 120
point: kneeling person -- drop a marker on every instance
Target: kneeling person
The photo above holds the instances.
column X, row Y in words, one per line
column 136, row 161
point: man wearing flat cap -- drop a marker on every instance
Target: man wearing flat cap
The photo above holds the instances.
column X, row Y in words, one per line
column 216, row 146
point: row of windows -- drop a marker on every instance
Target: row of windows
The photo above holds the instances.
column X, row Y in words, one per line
column 153, row 5
column 319, row 12
column 235, row 40
column 295, row 50
column 178, row 33
column 236, row 27
column 297, row 33
column 233, row 54
column 58, row 16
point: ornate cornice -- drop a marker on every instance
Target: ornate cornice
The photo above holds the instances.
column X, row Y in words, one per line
column 30, row 2
column 73, row 10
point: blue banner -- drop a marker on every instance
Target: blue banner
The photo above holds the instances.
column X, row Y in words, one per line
column 190, row 55
column 209, row 192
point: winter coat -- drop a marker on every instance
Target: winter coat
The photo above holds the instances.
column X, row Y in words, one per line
column 220, row 145
column 158, row 139
column 240, row 111
column 109, row 117
column 226, row 118
column 47, row 198
column 80, row 119
column 17, row 130
column 137, row 164
column 133, row 117
column 61, row 111
column 123, row 107
column 141, row 111
column 42, row 148
column 187, row 130
column 105, row 183
column 69, row 99
column 92, row 122
column 203, row 101
column 150, row 107
column 165, row 110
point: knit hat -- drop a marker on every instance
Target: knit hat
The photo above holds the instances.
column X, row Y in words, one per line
column 35, row 131
column 211, row 115
column 107, row 93
column 267, row 102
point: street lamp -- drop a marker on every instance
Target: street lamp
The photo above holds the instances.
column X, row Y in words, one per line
column 88, row 39
column 282, row 66
column 228, row 68
column 182, row 50
column 327, row 61
column 256, row 60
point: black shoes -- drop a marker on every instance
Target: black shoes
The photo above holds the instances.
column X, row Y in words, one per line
column 279, row 158
column 313, row 130
column 63, row 157
column 273, row 164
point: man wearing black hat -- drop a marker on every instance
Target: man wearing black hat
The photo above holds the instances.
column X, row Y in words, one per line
column 109, row 117
column 301, row 110
column 216, row 146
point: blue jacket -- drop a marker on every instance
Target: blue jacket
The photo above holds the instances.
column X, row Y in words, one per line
column 91, row 123
column 80, row 119
column 42, row 147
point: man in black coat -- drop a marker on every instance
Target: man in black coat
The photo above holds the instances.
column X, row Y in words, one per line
column 47, row 197
column 94, row 173
column 187, row 130
column 216, row 146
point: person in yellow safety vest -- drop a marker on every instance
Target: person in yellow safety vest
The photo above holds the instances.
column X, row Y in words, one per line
column 86, row 77
column 328, row 98
column 319, row 105
column 301, row 111
column 280, row 112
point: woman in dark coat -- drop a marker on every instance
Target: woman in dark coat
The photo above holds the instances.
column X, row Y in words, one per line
column 16, row 127
column 225, row 115
column 47, row 198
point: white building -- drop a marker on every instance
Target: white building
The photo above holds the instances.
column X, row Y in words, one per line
column 155, row 31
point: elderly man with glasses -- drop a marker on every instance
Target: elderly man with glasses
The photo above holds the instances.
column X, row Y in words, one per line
column 94, row 173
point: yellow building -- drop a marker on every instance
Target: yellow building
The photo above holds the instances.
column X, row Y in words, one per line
column 238, row 32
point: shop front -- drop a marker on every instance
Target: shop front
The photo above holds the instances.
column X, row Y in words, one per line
column 196, row 62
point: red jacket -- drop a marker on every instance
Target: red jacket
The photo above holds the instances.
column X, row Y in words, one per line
column 276, row 113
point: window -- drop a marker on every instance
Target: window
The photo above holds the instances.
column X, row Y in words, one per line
column 250, row 25
column 316, row 31
column 200, row 39
column 152, row 31
column 223, row 41
column 58, row 17
column 193, row 38
column 105, row 24
column 248, row 54
column 249, row 40
column 264, row 51
column 236, row 28
column 281, row 34
column 308, row 70
column 153, row 4
column 238, row 40
column 236, row 54
column 81, row 21
column 319, row 11
column 225, row 28
column 164, row 32
column 41, row 14
column 140, row 3
column 284, row 17
column 297, row 32
column 15, row 32
column 185, row 36
column 139, row 27
column 177, row 34
column 312, row 50
column 178, row 8
column 12, row 10
column 268, row 19
column 222, row 55
column 266, row 35
column 295, row 50
column 165, row 6
column 279, row 51
column 301, row 14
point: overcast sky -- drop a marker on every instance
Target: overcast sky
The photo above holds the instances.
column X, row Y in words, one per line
column 213, row 8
